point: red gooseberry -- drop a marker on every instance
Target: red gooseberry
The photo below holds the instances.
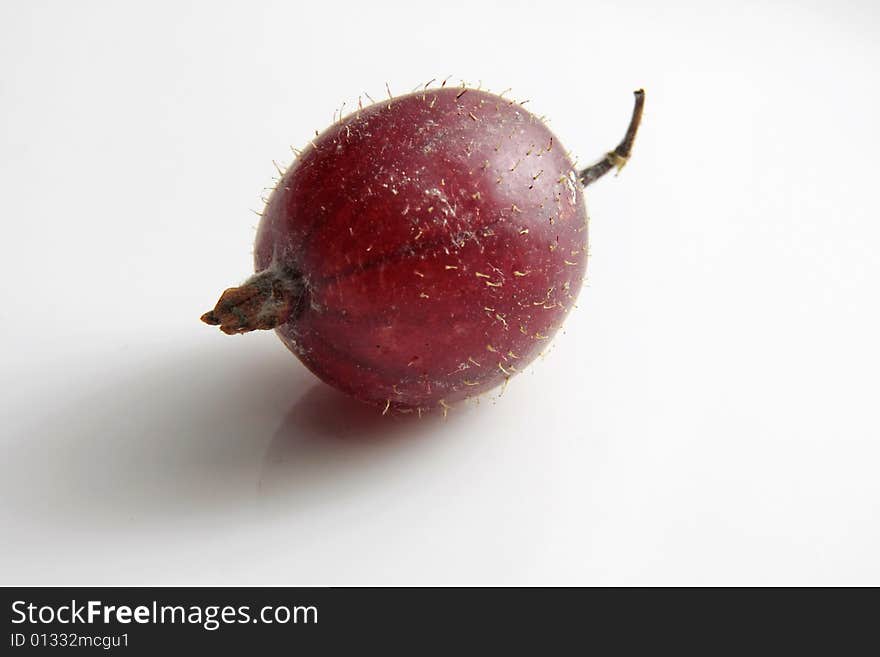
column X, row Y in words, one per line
column 423, row 249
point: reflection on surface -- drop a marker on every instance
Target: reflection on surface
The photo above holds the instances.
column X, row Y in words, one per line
column 328, row 441
column 196, row 439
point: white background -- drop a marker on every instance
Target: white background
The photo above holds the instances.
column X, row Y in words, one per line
column 710, row 415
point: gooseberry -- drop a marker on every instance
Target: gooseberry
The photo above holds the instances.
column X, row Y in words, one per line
column 423, row 249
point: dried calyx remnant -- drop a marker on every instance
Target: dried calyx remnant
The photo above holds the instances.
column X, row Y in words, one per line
column 267, row 299
column 275, row 296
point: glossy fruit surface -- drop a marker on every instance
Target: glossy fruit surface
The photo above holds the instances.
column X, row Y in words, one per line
column 420, row 251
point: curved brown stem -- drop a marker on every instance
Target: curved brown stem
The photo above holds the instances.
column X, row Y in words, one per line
column 267, row 299
column 619, row 156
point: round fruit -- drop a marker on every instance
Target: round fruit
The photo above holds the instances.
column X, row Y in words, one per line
column 422, row 250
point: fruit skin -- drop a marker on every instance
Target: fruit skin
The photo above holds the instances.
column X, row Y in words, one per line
column 439, row 238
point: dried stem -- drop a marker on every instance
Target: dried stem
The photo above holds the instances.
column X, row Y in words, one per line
column 619, row 156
